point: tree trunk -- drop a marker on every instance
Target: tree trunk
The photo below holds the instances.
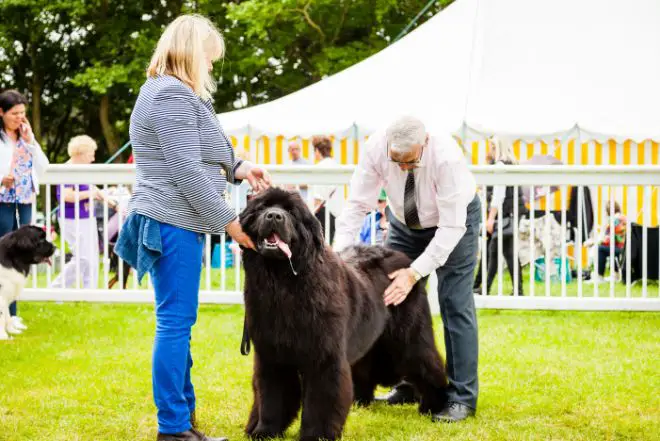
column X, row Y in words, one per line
column 108, row 130
column 36, row 91
column 36, row 107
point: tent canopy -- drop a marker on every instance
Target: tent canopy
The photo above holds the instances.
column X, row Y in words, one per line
column 530, row 69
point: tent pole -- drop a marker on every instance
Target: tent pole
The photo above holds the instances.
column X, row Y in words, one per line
column 414, row 20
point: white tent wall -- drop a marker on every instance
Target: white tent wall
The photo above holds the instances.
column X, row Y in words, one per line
column 529, row 69
column 577, row 79
column 544, row 67
column 424, row 73
column 526, row 68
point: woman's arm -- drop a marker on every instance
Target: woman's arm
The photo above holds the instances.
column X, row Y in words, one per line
column 258, row 177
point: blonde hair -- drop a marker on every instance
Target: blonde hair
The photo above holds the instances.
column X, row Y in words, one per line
column 503, row 150
column 80, row 144
column 183, row 50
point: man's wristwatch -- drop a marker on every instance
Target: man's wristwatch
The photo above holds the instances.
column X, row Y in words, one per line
column 417, row 276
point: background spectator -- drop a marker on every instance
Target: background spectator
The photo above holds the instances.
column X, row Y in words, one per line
column 620, row 223
column 329, row 196
column 78, row 224
column 500, row 198
column 295, row 153
column 21, row 163
column 380, row 219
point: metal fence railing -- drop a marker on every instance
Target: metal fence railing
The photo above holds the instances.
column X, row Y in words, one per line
column 557, row 242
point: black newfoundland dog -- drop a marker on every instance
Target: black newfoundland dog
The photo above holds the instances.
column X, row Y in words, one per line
column 322, row 334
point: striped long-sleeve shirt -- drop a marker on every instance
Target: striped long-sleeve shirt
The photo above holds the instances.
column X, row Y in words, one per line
column 183, row 158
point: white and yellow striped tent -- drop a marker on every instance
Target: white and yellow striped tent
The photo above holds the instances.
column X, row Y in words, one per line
column 273, row 150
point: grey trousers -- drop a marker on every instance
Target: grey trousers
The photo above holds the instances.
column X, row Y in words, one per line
column 455, row 280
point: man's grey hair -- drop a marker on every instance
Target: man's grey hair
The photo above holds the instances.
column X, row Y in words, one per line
column 405, row 132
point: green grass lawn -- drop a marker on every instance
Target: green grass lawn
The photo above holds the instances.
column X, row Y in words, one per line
column 82, row 372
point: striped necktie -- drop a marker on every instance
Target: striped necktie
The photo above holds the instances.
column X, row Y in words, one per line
column 409, row 205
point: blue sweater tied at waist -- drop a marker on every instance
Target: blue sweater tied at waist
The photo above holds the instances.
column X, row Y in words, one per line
column 139, row 243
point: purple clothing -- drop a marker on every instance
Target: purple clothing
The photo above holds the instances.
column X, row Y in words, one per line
column 70, row 207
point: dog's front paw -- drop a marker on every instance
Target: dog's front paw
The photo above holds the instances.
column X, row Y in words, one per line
column 260, row 433
column 12, row 330
column 5, row 336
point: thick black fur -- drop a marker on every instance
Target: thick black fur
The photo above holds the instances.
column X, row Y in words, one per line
column 25, row 247
column 324, row 337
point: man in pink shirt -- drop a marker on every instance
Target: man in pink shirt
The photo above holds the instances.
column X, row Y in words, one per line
column 434, row 218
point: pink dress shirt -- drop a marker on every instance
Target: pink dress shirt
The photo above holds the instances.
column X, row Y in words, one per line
column 444, row 187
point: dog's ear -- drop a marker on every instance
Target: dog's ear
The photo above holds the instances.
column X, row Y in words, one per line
column 20, row 243
column 248, row 217
column 310, row 227
column 26, row 242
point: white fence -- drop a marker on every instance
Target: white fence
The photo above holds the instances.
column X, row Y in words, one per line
column 561, row 243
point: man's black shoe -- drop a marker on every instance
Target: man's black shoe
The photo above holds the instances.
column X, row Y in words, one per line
column 453, row 413
column 401, row 394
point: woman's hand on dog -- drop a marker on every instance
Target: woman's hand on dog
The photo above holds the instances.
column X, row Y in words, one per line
column 236, row 232
column 259, row 179
column 403, row 281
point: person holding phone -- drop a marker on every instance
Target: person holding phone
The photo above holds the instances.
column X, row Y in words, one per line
column 22, row 162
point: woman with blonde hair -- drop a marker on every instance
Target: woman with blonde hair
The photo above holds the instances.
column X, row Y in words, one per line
column 183, row 162
column 500, row 198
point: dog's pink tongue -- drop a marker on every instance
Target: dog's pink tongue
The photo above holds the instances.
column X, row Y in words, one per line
column 282, row 245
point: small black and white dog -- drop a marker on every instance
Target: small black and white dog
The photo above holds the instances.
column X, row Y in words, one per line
column 18, row 250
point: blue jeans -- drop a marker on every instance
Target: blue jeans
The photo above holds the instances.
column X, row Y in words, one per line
column 13, row 215
column 175, row 275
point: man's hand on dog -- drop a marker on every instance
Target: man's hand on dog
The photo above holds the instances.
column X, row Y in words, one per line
column 402, row 282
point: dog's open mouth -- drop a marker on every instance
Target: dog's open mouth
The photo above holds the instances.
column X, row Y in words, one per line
column 274, row 241
column 48, row 261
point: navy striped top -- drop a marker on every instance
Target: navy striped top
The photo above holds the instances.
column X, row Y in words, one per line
column 183, row 158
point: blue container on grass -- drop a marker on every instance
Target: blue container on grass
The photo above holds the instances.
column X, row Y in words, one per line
column 539, row 271
column 216, row 256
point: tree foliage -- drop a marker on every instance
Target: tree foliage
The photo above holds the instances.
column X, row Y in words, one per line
column 81, row 62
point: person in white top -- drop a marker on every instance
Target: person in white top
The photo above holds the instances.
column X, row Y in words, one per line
column 326, row 196
column 434, row 218
column 295, row 153
column 22, row 162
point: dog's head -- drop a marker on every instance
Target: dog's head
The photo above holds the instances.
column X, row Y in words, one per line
column 281, row 226
column 26, row 246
